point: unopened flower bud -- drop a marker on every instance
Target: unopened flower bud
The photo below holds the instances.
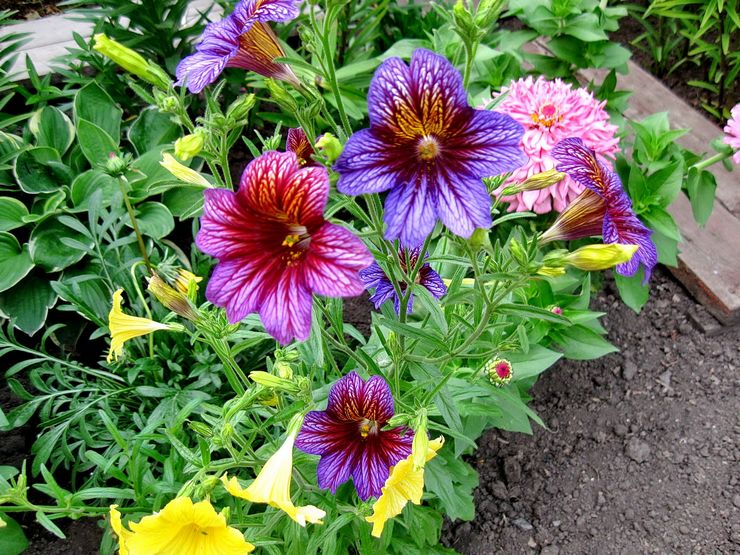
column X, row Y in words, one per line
column 116, row 165
column 201, row 429
column 190, row 145
column 283, row 369
column 600, row 257
column 132, row 61
column 420, row 443
column 268, row 399
column 167, row 104
column 499, row 371
column 541, row 180
column 518, row 252
column 400, row 419
column 273, row 382
column 463, row 19
column 281, row 95
column 187, row 283
column 488, row 12
column 240, row 108
column 479, row 239
column 557, row 310
column 329, row 146
column 173, row 299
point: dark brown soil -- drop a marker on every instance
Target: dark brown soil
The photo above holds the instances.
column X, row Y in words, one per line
column 31, row 9
column 642, row 452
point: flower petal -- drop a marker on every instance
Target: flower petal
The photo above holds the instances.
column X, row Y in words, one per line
column 376, row 400
column 368, row 164
column 432, row 281
column 345, row 397
column 279, row 11
column 410, row 211
column 463, row 204
column 335, row 468
column 286, row 309
column 334, row 260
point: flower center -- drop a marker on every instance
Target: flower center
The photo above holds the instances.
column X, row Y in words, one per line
column 427, row 148
column 295, row 244
column 368, row 427
column 503, row 370
column 547, row 116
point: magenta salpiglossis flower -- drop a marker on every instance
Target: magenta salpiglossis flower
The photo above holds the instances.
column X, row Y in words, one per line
column 244, row 40
column 375, row 278
column 350, row 438
column 620, row 224
column 298, row 142
column 275, row 248
column 429, row 149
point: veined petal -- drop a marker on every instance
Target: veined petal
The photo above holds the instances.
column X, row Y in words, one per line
column 258, row 47
column 384, row 291
column 390, row 99
column 628, row 229
column 321, row 433
column 286, row 308
column 380, row 454
column 334, row 260
column 432, row 281
column 241, row 285
column 298, row 142
column 583, row 217
column 279, row 11
column 367, row 164
column 345, row 397
column 463, row 203
column 376, row 400
column 220, row 43
column 580, row 163
column 410, row 211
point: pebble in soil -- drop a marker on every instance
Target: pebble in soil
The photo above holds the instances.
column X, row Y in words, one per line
column 642, row 451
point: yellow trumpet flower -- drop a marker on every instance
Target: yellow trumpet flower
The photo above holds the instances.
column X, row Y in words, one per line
column 182, row 172
column 124, row 327
column 404, row 484
column 272, row 486
column 181, row 527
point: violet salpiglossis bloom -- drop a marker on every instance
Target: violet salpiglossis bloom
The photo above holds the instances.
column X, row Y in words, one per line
column 375, row 278
column 298, row 143
column 429, row 149
column 604, row 207
column 275, row 248
column 732, row 132
column 244, row 40
column 350, row 438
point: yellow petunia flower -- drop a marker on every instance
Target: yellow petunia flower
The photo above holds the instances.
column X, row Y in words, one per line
column 181, row 528
column 403, row 485
column 182, row 172
column 124, row 327
column 272, row 486
column 600, row 257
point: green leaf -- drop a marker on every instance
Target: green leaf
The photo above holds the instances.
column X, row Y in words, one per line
column 151, row 129
column 15, row 262
column 581, row 343
column 660, row 220
column 47, row 523
column 452, row 480
column 33, row 172
column 184, row 202
column 88, row 183
column 52, row 128
column 94, row 105
column 11, row 213
column 667, row 249
column 28, row 302
column 667, row 182
column 527, row 311
column 404, row 48
column 12, row 539
column 701, row 188
column 50, row 252
column 586, row 28
column 633, row 292
column 532, row 363
column 95, row 142
column 154, row 219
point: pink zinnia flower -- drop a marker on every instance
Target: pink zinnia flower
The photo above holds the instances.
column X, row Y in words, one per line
column 551, row 111
column 732, row 132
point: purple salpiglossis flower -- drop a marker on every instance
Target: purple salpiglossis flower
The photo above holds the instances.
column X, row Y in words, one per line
column 375, row 278
column 620, row 224
column 350, row 438
column 275, row 248
column 429, row 149
column 298, row 142
column 244, row 40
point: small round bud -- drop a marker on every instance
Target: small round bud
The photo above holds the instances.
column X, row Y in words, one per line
column 499, row 371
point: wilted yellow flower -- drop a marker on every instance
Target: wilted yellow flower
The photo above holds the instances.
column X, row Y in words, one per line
column 124, row 327
column 182, row 172
column 185, row 280
column 181, row 527
column 403, row 485
column 173, row 298
column 132, row 61
column 272, row 486
column 600, row 257
column 190, row 145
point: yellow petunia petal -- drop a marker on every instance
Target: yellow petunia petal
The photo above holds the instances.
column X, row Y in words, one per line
column 124, row 327
column 404, row 484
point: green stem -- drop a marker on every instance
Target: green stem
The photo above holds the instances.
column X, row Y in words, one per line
column 135, row 281
column 712, row 160
column 130, row 209
column 234, row 374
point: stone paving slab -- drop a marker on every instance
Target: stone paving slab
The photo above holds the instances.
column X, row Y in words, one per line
column 51, row 36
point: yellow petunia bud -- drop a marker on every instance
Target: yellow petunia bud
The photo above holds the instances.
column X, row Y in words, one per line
column 600, row 257
column 190, row 145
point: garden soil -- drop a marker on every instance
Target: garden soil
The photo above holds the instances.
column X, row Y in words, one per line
column 641, row 453
column 642, row 449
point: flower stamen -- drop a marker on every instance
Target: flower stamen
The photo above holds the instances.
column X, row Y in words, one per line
column 427, row 148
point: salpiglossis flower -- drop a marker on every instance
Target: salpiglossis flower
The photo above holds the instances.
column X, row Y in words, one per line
column 181, row 527
column 272, row 486
column 350, row 438
column 405, row 483
column 429, row 149
column 244, row 40
column 275, row 248
column 298, row 143
column 375, row 278
column 603, row 208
